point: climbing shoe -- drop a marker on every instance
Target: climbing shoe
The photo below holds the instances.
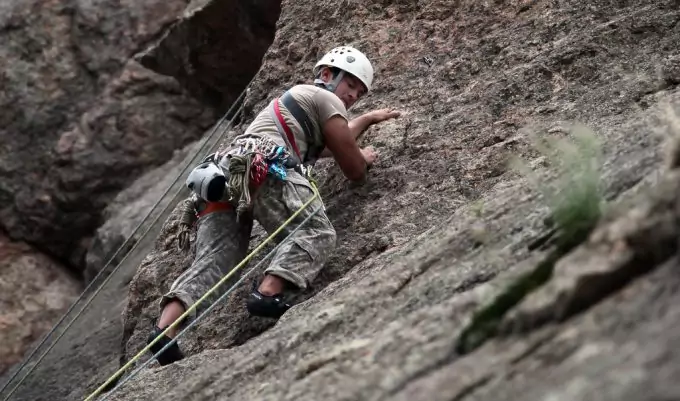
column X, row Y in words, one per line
column 171, row 354
column 262, row 305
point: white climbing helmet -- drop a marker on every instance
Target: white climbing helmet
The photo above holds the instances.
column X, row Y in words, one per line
column 208, row 181
column 350, row 60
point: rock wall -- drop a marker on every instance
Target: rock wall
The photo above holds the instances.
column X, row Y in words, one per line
column 80, row 120
column 83, row 119
column 444, row 228
column 216, row 48
column 442, row 215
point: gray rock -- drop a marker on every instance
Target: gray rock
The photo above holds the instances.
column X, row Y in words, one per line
column 372, row 338
column 135, row 208
column 443, row 226
column 79, row 121
column 215, row 48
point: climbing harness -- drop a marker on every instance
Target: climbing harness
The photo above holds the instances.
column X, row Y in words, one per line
column 159, row 337
column 245, row 164
column 315, row 147
column 204, row 145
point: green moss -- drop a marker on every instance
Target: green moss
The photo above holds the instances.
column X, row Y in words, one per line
column 485, row 322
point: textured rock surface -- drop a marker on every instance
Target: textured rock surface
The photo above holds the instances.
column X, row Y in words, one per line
column 35, row 291
column 217, row 47
column 442, row 227
column 82, row 120
column 79, row 120
column 392, row 334
column 129, row 208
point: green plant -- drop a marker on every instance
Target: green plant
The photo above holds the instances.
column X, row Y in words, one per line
column 575, row 201
column 574, row 195
column 477, row 208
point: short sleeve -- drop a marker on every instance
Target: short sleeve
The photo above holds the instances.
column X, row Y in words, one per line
column 329, row 105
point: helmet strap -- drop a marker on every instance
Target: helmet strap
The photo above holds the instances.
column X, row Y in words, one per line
column 333, row 85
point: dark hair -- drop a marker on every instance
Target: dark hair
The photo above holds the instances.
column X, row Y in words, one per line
column 334, row 70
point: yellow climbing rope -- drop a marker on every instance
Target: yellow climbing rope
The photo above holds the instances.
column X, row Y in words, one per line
column 207, row 294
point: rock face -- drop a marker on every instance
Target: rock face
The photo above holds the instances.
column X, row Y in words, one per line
column 217, row 47
column 249, row 32
column 443, row 227
column 129, row 209
column 447, row 151
column 34, row 292
column 80, row 120
column 394, row 334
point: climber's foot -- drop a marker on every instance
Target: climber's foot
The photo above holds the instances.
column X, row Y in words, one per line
column 259, row 304
column 171, row 354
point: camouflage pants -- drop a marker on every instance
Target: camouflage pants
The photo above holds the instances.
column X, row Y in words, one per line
column 222, row 241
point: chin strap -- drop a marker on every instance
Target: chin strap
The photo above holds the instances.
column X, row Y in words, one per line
column 333, row 85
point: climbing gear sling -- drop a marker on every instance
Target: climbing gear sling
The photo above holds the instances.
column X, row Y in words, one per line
column 314, row 148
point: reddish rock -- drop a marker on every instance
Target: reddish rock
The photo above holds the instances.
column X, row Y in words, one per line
column 35, row 291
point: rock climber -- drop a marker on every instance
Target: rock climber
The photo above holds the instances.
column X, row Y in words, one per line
column 272, row 157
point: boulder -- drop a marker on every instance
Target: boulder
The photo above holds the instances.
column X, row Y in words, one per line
column 215, row 48
column 80, row 121
column 35, row 292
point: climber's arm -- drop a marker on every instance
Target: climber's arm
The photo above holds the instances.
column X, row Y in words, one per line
column 358, row 125
column 344, row 149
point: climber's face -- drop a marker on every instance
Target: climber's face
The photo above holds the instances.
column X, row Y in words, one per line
column 349, row 89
